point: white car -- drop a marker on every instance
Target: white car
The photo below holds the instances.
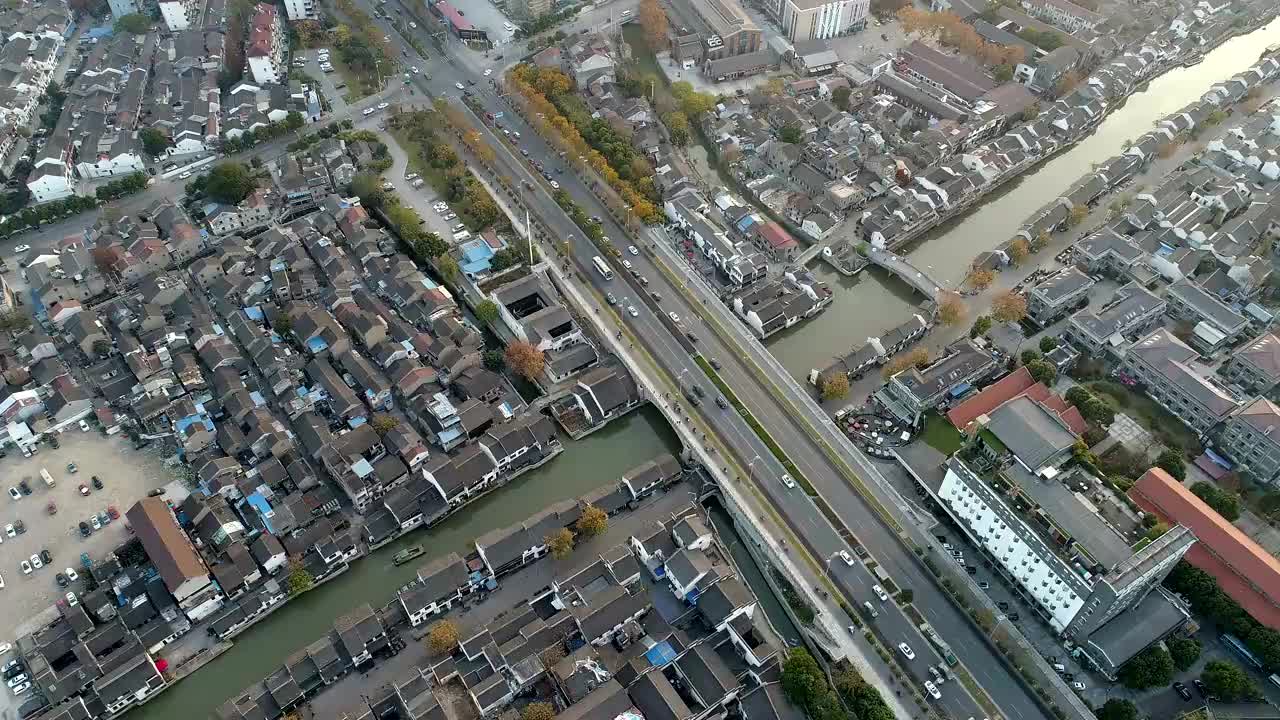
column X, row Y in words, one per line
column 1, row 582
column 413, row 25
column 26, row 567
column 84, row 426
column 14, row 493
column 93, row 520
column 631, row 310
column 185, row 175
column 555, row 185
column 415, row 71
column 846, row 557
column 1077, row 685
column 488, row 72
column 5, row 647
column 932, row 690
column 22, row 248
column 880, row 593
column 36, row 562
column 632, row 249
column 71, row 599
column 368, row 111
column 71, row 574
column 786, row 480
column 8, row 530
column 674, row 317
column 383, row 105
column 626, row 264
column 24, row 687
column 906, row 651
column 460, row 86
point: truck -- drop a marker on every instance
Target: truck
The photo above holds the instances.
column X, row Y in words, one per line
column 943, row 648
column 48, row 479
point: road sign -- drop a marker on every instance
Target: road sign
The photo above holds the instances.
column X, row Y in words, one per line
column 498, row 115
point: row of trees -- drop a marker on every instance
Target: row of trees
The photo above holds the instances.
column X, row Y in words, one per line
column 1207, row 600
column 363, row 46
column 540, row 88
column 35, row 216
column 1225, row 502
column 847, row 697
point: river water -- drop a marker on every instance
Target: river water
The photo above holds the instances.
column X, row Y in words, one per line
column 874, row 302
column 585, row 465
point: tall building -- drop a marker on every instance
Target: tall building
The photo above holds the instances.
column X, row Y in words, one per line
column 266, row 46
column 301, row 10
column 804, row 20
column 1082, row 575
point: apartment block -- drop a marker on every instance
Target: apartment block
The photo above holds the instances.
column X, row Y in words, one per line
column 915, row 391
column 1251, row 439
column 1255, row 367
column 1057, row 295
column 1160, row 363
column 1131, row 312
column 266, row 47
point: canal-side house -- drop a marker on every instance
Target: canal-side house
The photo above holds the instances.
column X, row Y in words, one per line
column 185, row 574
column 462, row 477
column 1057, row 295
column 914, row 391
column 440, row 583
column 508, row 549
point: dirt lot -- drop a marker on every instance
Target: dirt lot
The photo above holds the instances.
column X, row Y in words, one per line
column 127, row 475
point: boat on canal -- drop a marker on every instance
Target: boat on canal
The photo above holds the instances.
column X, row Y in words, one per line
column 407, row 554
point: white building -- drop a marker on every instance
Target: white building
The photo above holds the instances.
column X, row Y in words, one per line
column 301, row 10
column 266, row 46
column 804, row 20
column 52, row 179
column 178, row 14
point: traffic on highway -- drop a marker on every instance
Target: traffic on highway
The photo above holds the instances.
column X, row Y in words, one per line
column 671, row 331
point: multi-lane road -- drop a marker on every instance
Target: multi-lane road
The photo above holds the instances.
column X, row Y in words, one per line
column 740, row 362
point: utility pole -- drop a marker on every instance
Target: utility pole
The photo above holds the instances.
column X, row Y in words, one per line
column 528, row 231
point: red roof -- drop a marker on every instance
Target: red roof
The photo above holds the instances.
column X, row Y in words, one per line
column 1010, row 387
column 993, row 396
column 1243, row 569
column 777, row 238
column 448, row 12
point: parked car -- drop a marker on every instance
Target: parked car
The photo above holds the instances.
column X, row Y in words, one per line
column 84, row 490
column 93, row 520
column 97, row 482
column 45, row 556
column 906, row 651
column 85, row 530
column 1182, row 690
column 36, row 562
column 72, row 575
column 61, row 580
column 8, row 530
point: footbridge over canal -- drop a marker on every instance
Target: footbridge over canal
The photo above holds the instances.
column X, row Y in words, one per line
column 921, row 281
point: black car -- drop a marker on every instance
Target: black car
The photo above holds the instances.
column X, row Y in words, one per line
column 1182, row 690
column 714, row 363
column 1013, row 617
column 724, row 404
column 45, row 557
column 19, row 526
column 155, row 493
column 971, row 570
column 24, row 487
column 697, row 390
column 62, row 580
column 85, row 530
column 97, row 483
column 1200, row 688
column 1002, row 605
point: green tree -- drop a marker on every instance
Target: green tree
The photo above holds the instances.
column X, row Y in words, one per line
column 1150, row 668
column 592, row 522
column 791, row 133
column 678, row 125
column 1118, row 709
column 494, row 360
column 368, row 187
column 803, row 681
column 1184, row 651
column 1229, row 682
column 561, row 543
column 840, row 98
column 1172, row 462
column 100, row 347
column 1029, row 356
column 981, row 326
column 1226, row 503
column 14, row 321
column 430, row 245
column 487, row 312
column 448, row 268
column 154, row 142
column 1048, row 344
column 293, row 120
column 136, row 23
column 229, row 182
column 383, row 423
column 299, row 579
column 1043, row 372
column 905, row 596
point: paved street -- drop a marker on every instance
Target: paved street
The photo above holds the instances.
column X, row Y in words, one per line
column 672, row 352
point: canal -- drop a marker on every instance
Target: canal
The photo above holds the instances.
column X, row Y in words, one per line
column 585, row 465
column 753, row 575
column 873, row 302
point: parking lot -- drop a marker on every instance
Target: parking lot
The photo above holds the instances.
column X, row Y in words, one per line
column 126, row 475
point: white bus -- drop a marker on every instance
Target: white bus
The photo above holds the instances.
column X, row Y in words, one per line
column 602, row 268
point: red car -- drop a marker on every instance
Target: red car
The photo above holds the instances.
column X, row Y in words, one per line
column 84, row 490
column 112, row 512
